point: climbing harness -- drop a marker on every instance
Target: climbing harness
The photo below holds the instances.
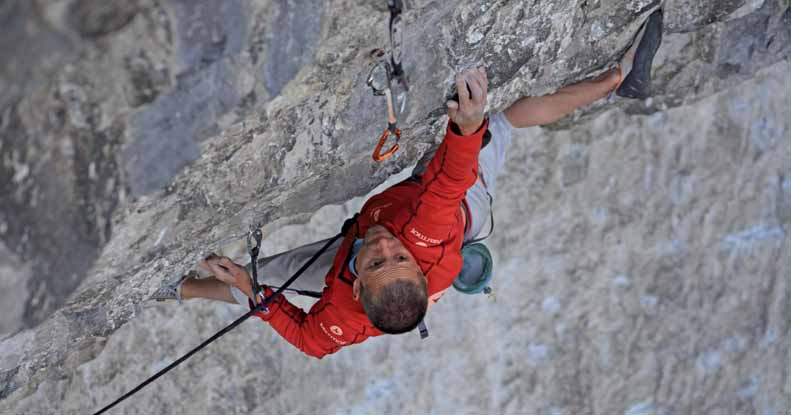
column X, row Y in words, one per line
column 381, row 76
column 491, row 222
column 259, row 307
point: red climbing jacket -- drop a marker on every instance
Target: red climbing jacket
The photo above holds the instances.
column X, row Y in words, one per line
column 425, row 215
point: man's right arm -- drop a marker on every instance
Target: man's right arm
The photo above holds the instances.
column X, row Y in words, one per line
column 322, row 331
column 315, row 333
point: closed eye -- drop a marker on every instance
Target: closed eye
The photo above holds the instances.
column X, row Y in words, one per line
column 376, row 263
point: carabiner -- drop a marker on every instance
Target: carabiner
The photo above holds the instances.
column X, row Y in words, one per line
column 380, row 76
column 377, row 156
column 379, row 79
column 254, row 237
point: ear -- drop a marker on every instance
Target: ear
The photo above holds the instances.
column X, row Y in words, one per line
column 356, row 290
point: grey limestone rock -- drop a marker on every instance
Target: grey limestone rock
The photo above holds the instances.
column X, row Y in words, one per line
column 643, row 268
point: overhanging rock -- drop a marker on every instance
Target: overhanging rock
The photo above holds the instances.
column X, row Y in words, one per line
column 275, row 149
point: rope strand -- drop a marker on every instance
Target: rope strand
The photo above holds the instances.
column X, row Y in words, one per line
column 262, row 305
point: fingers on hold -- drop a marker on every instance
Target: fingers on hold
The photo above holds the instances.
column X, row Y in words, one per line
column 209, row 257
column 217, row 271
column 231, row 266
column 476, row 88
column 212, row 264
column 460, row 78
column 484, row 84
column 482, row 76
column 461, row 89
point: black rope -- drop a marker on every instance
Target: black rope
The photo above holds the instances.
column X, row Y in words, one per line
column 262, row 305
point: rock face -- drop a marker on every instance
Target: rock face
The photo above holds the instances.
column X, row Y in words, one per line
column 642, row 254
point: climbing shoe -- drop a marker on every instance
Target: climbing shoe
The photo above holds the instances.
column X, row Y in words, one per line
column 476, row 273
column 171, row 290
column 635, row 66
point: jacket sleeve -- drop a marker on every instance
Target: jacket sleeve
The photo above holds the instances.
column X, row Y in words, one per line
column 452, row 171
column 320, row 332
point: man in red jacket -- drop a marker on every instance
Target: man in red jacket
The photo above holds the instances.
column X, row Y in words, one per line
column 404, row 249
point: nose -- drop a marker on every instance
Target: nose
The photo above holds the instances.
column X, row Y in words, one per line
column 387, row 246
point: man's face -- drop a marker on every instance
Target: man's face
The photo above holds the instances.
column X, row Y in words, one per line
column 383, row 259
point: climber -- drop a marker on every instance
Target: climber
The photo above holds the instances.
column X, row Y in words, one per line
column 404, row 249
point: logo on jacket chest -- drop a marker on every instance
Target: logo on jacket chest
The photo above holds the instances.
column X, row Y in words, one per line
column 426, row 240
